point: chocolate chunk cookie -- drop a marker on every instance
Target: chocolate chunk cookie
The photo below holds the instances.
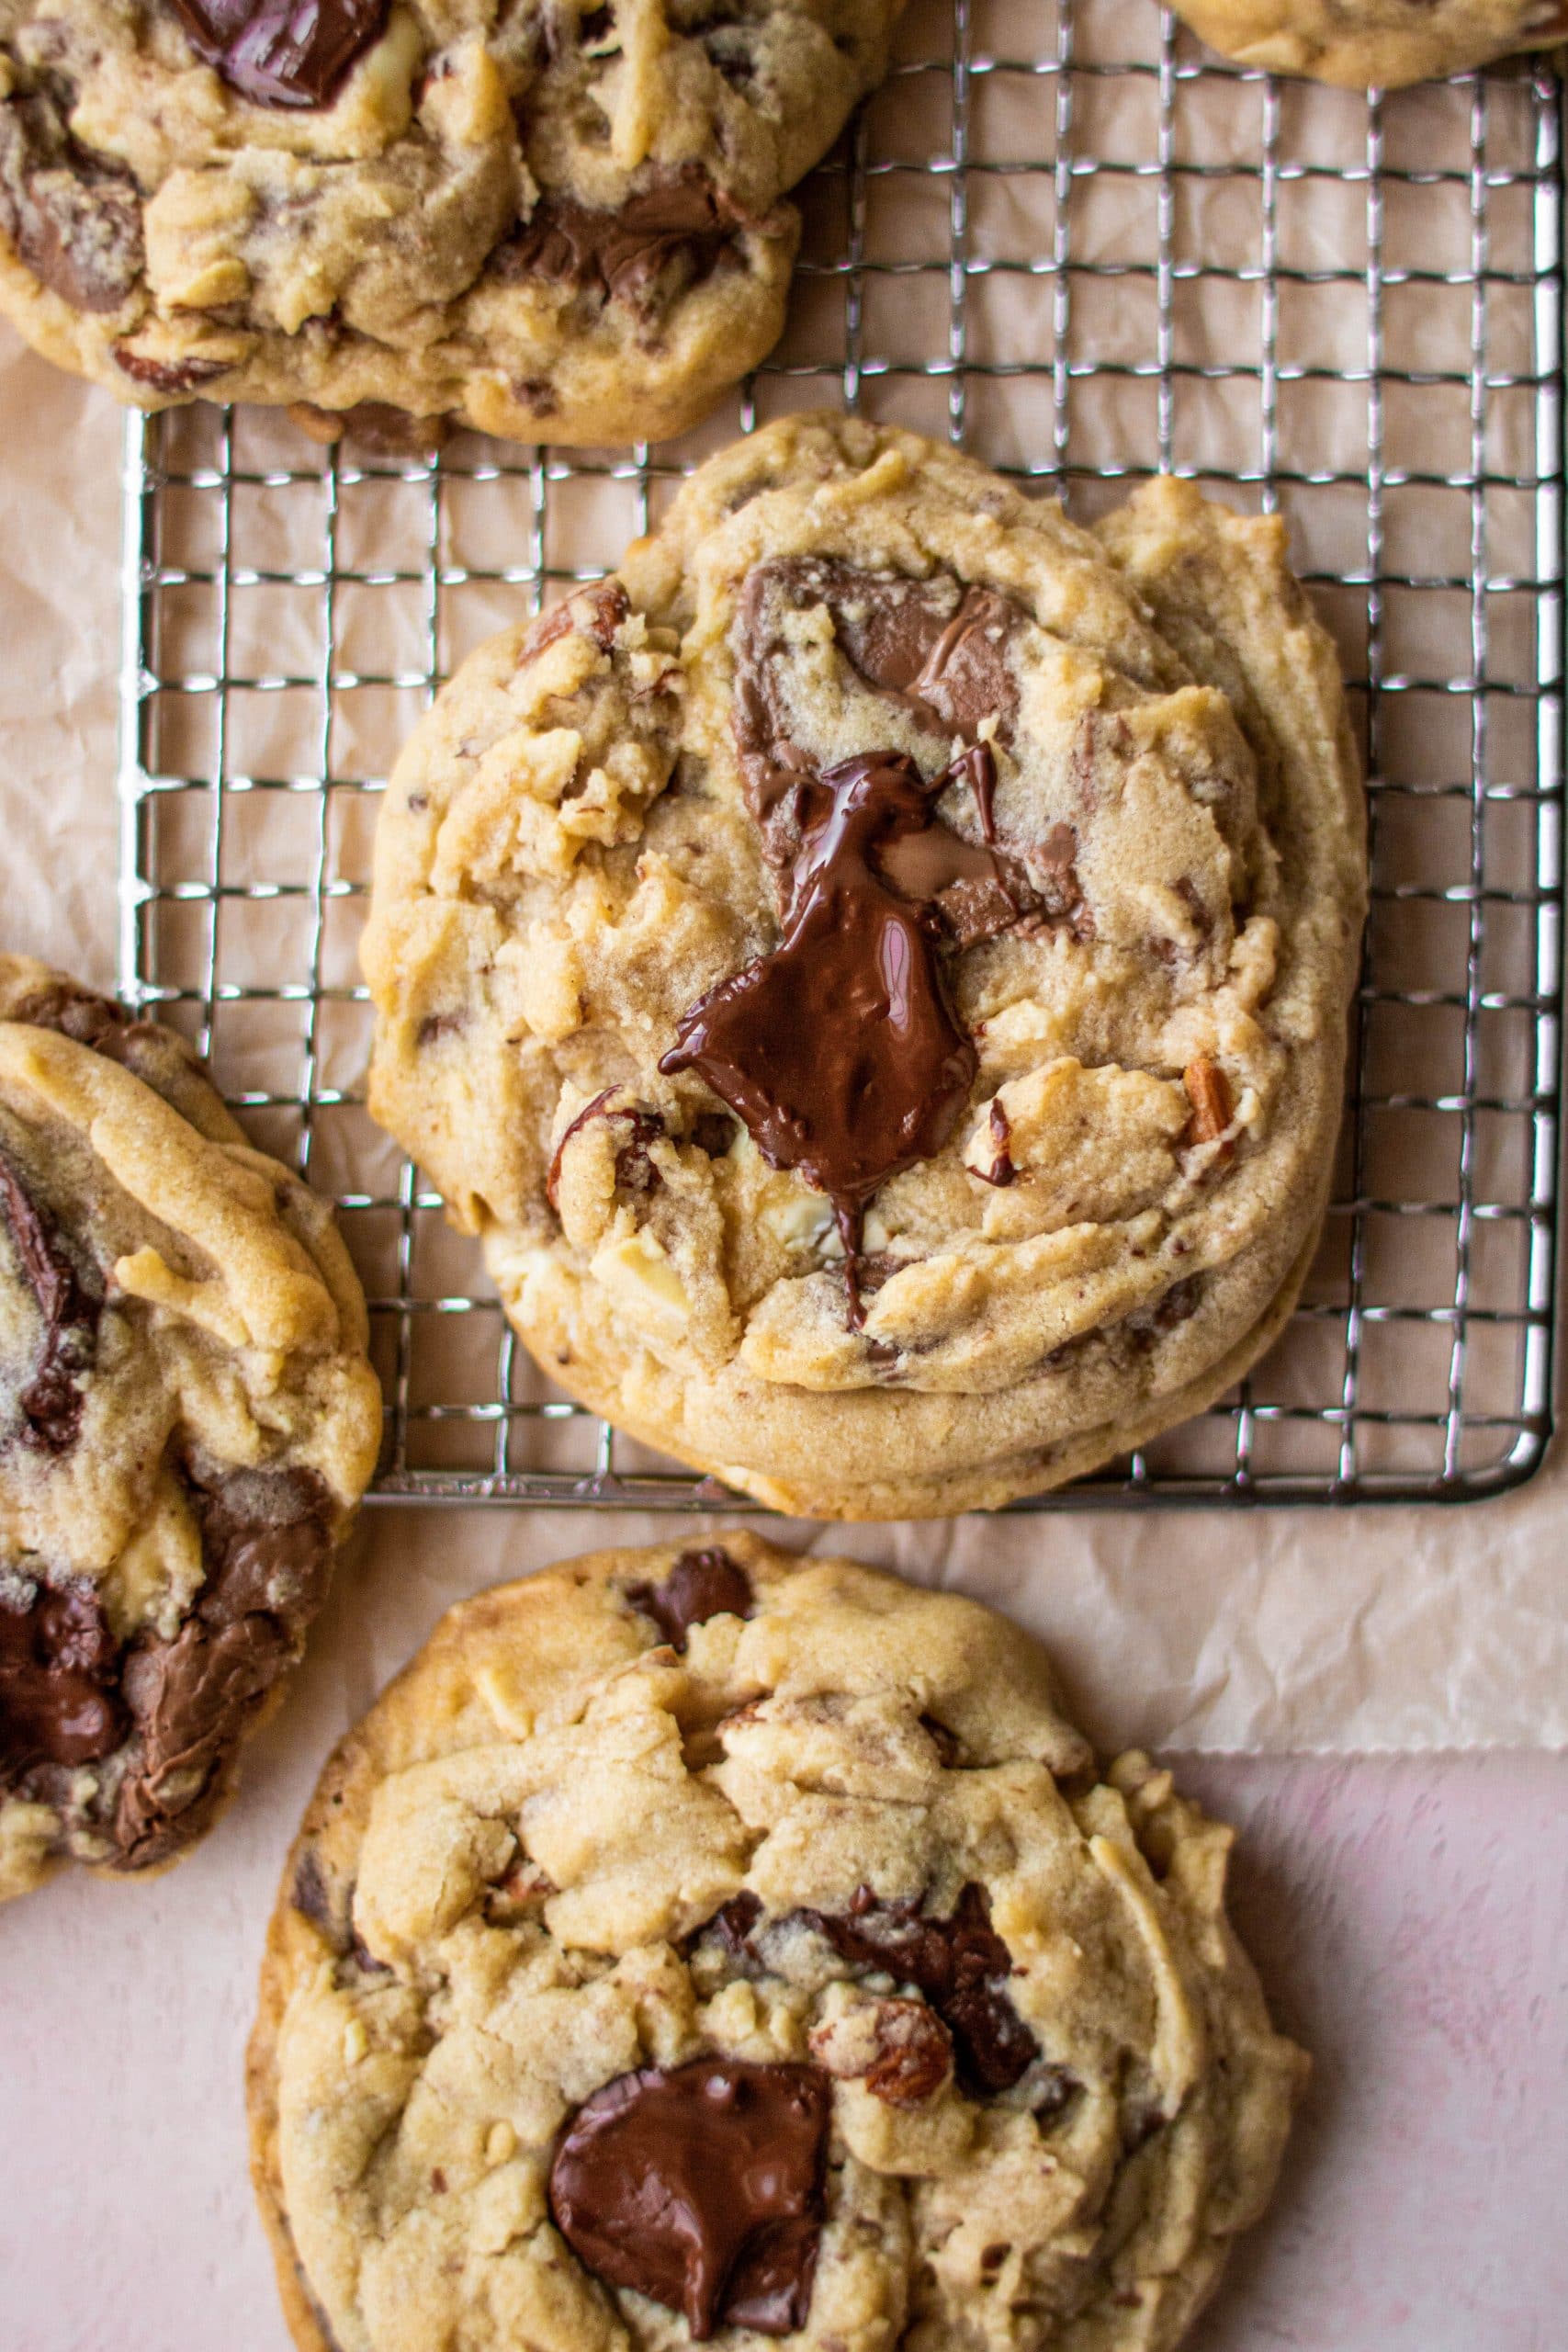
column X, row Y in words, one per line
column 874, row 971
column 187, row 1421
column 744, row 1950
column 1375, row 44
column 547, row 219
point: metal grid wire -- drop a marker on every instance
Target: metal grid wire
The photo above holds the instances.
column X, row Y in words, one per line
column 1079, row 242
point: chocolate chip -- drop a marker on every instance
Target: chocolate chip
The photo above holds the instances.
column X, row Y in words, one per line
column 436, row 1026
column 373, row 426
column 961, row 1965
column 58, row 1665
column 634, row 1171
column 734, row 1923
column 169, row 374
column 73, row 219
column 701, row 2187
column 839, row 1049
column 70, row 1302
column 283, row 52
column 701, row 1585
column 712, row 1132
column 1057, row 2088
column 679, row 226
column 308, row 1894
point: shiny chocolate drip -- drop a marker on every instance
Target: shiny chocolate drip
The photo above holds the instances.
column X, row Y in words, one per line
column 283, row 52
column 839, row 1050
column 701, row 2187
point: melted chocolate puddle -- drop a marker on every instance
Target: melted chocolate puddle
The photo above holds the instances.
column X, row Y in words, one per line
column 701, row 2187
column 840, row 1049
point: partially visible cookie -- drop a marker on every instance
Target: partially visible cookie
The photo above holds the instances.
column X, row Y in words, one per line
column 1374, row 44
column 557, row 219
column 873, row 970
column 696, row 1944
column 187, row 1420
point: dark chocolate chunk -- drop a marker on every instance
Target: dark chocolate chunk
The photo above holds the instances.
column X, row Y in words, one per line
column 73, row 219
column 78, row 1013
column 58, row 1669
column 635, row 1171
column 701, row 1585
column 308, row 1894
column 961, row 1966
column 51, row 1403
column 267, row 1541
column 735, row 1922
column 169, row 374
column 283, row 52
column 701, row 2187
column 712, row 1132
column 839, row 1049
column 678, row 229
column 373, row 426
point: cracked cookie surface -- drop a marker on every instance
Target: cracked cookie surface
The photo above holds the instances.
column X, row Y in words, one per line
column 186, row 1422
column 874, row 971
column 548, row 220
column 1374, row 44
column 713, row 1945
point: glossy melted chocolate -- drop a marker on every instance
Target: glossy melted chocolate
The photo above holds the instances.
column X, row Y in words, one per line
column 283, row 52
column 839, row 1050
column 701, row 2187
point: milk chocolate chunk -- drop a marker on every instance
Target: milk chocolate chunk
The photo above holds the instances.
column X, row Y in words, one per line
column 266, row 1539
column 679, row 227
column 839, row 1049
column 701, row 1585
column 701, row 2187
column 58, row 1667
column 961, row 1965
column 73, row 219
column 51, row 1403
column 283, row 52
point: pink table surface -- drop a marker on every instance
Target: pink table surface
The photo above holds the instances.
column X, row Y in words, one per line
column 1409, row 1914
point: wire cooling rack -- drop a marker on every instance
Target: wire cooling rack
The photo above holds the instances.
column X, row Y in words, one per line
column 1074, row 239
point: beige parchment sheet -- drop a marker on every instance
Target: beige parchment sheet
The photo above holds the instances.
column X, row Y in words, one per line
column 1218, row 1629
column 1268, row 1631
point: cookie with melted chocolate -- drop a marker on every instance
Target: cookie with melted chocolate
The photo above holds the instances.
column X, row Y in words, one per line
column 552, row 220
column 720, row 1947
column 911, row 938
column 187, row 1421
